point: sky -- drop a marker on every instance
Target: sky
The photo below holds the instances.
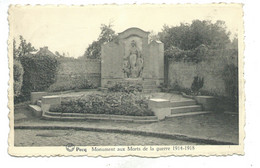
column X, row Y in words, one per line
column 70, row 29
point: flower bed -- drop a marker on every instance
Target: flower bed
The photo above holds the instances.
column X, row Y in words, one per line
column 116, row 103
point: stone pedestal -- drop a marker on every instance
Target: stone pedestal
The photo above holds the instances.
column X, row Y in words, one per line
column 36, row 96
column 160, row 107
column 48, row 101
column 208, row 102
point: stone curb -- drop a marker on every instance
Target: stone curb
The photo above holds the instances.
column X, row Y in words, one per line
column 97, row 118
column 134, row 132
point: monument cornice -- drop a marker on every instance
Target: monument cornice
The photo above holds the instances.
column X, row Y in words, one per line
column 133, row 31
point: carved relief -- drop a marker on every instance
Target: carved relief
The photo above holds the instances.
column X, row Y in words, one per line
column 133, row 62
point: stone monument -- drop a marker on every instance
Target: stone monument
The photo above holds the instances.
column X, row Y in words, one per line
column 132, row 59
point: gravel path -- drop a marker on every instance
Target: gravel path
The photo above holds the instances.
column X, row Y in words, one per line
column 24, row 137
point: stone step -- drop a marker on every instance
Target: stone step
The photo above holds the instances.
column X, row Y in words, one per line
column 185, row 109
column 182, row 103
column 36, row 110
column 39, row 103
column 149, row 82
column 188, row 114
column 144, row 121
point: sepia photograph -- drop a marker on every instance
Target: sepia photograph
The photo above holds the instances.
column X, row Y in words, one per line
column 119, row 80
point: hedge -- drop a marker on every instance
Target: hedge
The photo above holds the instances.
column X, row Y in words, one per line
column 39, row 73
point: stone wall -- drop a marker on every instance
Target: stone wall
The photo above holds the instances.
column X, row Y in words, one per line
column 77, row 72
column 78, row 66
column 211, row 70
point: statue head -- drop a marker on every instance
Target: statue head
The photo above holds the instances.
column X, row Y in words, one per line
column 133, row 43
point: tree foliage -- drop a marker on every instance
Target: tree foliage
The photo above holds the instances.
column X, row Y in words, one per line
column 18, row 77
column 24, row 48
column 57, row 53
column 107, row 35
column 201, row 53
column 190, row 36
column 153, row 36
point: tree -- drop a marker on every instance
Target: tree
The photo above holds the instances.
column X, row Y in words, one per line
column 190, row 36
column 153, row 36
column 59, row 55
column 93, row 51
column 23, row 49
column 15, row 51
column 234, row 43
column 107, row 35
column 18, row 78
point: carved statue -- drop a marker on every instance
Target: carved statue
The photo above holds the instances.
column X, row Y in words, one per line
column 133, row 64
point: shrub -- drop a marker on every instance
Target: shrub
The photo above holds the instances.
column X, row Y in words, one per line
column 195, row 88
column 126, row 87
column 176, row 87
column 18, row 78
column 39, row 72
column 197, row 84
column 109, row 103
column 164, row 87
